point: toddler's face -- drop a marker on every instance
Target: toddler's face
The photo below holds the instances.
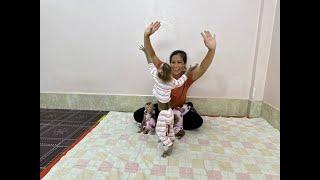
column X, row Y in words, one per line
column 149, row 108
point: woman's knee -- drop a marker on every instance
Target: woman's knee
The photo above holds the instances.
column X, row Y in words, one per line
column 198, row 122
column 138, row 115
column 156, row 109
column 192, row 120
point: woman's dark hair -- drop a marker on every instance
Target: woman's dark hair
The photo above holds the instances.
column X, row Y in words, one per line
column 181, row 53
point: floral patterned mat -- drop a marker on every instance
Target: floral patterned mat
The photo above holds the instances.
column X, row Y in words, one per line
column 222, row 148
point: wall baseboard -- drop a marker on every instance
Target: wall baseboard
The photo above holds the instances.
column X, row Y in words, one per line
column 254, row 108
column 271, row 114
column 130, row 103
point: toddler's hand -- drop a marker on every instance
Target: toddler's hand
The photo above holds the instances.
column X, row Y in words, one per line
column 141, row 47
column 191, row 68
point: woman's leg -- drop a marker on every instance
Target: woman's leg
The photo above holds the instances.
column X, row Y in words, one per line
column 156, row 112
column 138, row 114
column 192, row 120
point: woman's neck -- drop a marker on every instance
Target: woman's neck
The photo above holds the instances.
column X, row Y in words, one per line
column 178, row 75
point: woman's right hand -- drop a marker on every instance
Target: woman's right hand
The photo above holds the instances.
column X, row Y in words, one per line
column 153, row 27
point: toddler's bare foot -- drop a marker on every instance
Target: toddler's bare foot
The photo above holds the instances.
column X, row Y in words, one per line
column 180, row 134
column 153, row 132
column 145, row 131
column 164, row 154
column 167, row 152
column 140, row 131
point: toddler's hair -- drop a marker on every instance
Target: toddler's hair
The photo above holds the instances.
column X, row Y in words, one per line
column 166, row 73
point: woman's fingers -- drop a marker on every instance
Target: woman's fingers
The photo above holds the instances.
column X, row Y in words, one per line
column 156, row 26
column 209, row 35
column 157, row 23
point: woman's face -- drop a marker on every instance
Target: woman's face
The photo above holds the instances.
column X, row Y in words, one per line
column 177, row 65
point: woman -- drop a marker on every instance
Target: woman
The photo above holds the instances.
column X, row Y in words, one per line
column 178, row 61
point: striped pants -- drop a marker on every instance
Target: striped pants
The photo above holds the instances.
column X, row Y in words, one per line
column 164, row 128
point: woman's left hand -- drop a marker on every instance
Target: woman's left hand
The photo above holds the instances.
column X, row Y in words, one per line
column 209, row 40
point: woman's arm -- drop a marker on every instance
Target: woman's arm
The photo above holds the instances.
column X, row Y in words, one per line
column 210, row 43
column 152, row 28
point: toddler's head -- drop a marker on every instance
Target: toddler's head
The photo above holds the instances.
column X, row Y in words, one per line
column 164, row 72
column 149, row 107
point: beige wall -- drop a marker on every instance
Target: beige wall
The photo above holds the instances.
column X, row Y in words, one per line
column 262, row 49
column 272, row 86
column 91, row 46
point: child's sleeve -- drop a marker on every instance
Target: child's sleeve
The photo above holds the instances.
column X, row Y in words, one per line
column 180, row 81
column 152, row 69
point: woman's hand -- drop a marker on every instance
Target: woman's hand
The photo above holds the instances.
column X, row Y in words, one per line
column 209, row 40
column 153, row 27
